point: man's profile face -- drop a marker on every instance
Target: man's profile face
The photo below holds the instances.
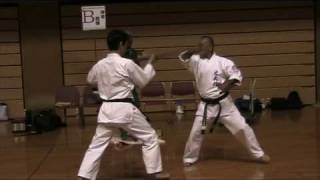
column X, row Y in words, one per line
column 124, row 46
column 130, row 42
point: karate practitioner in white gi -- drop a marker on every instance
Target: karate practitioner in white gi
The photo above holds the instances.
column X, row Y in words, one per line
column 215, row 76
column 115, row 78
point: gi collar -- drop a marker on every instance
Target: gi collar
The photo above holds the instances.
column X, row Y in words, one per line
column 113, row 54
column 212, row 57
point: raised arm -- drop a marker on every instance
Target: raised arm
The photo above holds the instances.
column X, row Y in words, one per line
column 139, row 76
column 188, row 58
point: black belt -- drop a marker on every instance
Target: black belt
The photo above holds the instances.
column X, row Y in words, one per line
column 127, row 100
column 207, row 102
column 124, row 100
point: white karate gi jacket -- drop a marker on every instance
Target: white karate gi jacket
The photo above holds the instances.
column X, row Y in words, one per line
column 116, row 77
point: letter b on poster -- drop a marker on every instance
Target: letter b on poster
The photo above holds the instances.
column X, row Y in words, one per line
column 93, row 18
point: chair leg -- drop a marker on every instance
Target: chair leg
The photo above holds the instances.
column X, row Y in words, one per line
column 62, row 114
column 65, row 116
column 81, row 116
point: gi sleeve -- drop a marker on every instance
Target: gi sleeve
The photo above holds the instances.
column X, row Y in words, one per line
column 189, row 63
column 140, row 77
column 232, row 72
column 92, row 75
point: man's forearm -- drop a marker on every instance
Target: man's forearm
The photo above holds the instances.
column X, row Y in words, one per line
column 232, row 83
column 187, row 54
column 229, row 84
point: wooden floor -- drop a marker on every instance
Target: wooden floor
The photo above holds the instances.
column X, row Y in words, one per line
column 291, row 138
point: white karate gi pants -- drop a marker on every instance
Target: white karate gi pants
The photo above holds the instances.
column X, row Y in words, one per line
column 232, row 120
column 139, row 128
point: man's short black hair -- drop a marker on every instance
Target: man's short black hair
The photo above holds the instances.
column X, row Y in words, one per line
column 209, row 38
column 115, row 37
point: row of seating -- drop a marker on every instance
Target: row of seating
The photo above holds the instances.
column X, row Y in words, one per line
column 153, row 94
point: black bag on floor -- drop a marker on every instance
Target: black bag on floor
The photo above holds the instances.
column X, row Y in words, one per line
column 293, row 101
column 47, row 120
column 278, row 103
column 243, row 106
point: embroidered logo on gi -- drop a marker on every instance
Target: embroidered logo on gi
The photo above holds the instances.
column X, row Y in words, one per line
column 215, row 78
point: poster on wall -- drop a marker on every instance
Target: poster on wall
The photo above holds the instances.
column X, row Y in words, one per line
column 93, row 18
